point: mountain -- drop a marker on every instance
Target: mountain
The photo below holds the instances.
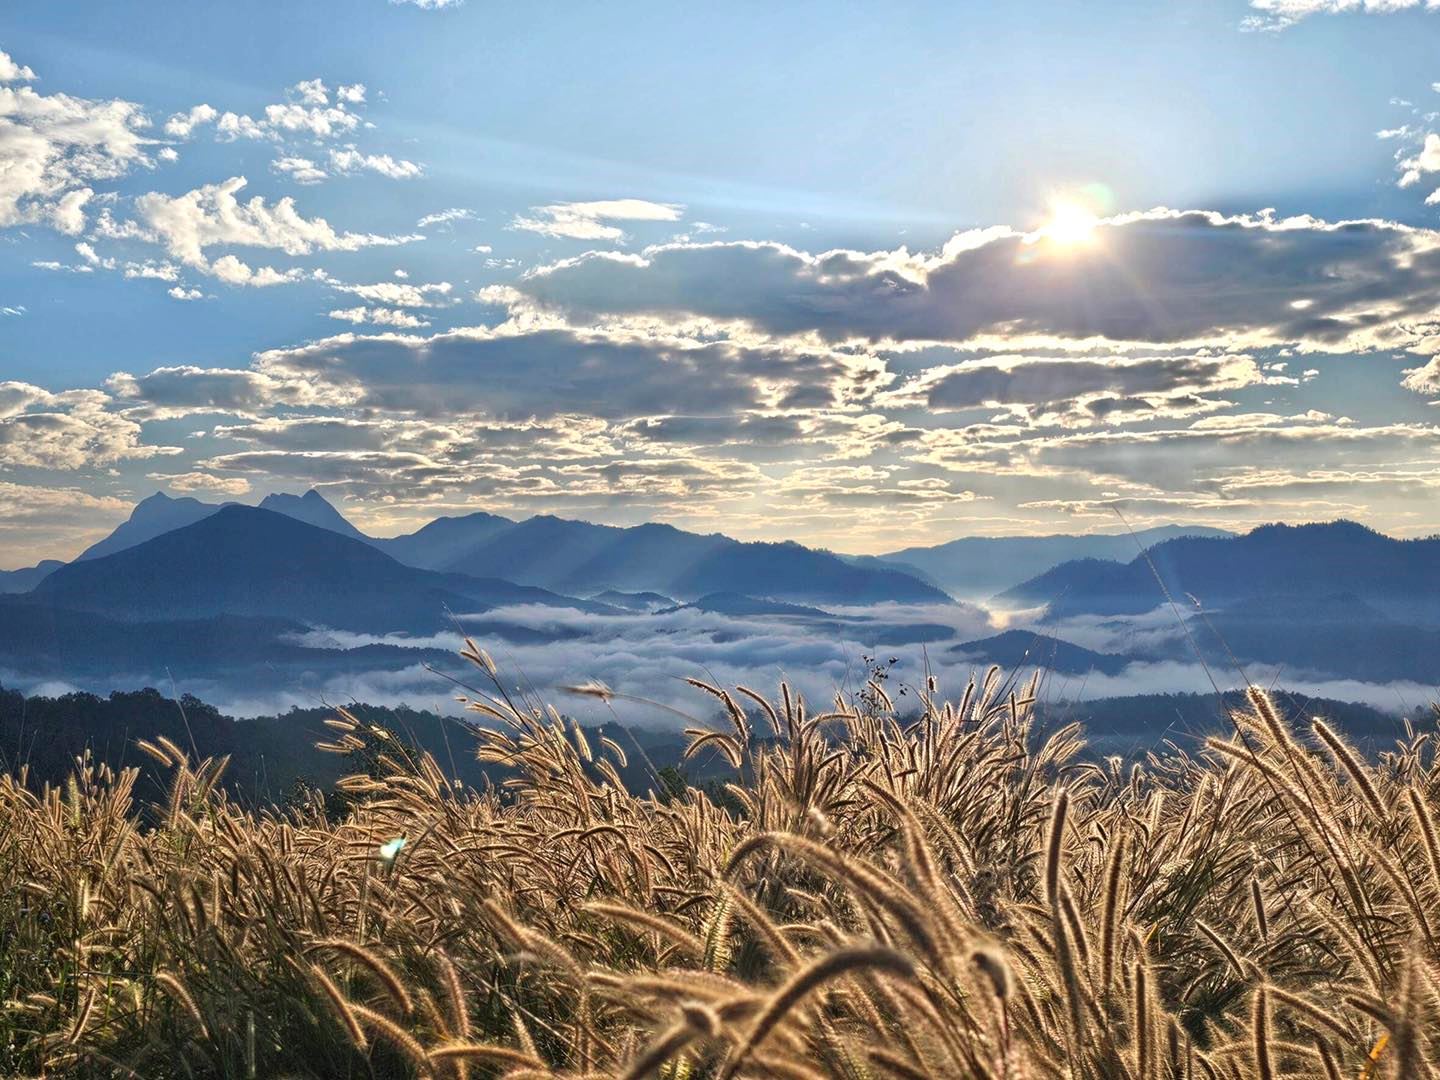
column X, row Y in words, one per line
column 242, row 560
column 577, row 557
column 635, row 601
column 25, row 579
column 1024, row 650
column 981, row 566
column 444, row 542
column 312, row 509
column 152, row 517
column 1338, row 635
column 1400, row 578
column 729, row 603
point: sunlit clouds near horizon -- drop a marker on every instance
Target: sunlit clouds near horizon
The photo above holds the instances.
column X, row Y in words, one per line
column 230, row 271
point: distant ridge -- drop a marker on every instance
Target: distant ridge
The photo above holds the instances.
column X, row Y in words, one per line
column 151, row 517
column 1399, row 577
column 982, row 566
column 1025, row 650
column 581, row 558
column 313, row 509
column 242, row 560
column 26, row 578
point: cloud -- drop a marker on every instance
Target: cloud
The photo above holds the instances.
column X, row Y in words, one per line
column 301, row 170
column 54, row 147
column 212, row 216
column 446, row 217
column 200, row 481
column 1282, row 14
column 512, row 372
column 1080, row 391
column 1163, row 276
column 10, row 71
column 43, row 521
column 1423, row 380
column 309, row 113
column 399, row 293
column 183, row 125
column 1425, row 160
column 170, row 392
column 379, row 316
column 348, row 161
column 587, row 220
column 71, row 430
column 428, row 5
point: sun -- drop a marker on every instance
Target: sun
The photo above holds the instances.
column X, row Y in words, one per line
column 1070, row 225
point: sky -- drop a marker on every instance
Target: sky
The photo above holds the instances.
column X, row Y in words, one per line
column 861, row 275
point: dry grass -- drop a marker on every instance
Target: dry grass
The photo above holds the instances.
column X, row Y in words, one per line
column 950, row 896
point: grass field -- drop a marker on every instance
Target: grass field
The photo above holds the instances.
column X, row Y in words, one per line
column 945, row 895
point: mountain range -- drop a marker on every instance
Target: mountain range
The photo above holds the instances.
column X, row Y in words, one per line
column 571, row 557
column 982, row 566
column 243, row 560
column 1400, row 578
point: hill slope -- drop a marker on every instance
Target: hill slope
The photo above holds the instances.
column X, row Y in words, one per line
column 981, row 566
column 579, row 557
column 247, row 561
column 1399, row 577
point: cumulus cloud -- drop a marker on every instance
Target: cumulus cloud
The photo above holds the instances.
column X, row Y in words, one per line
column 169, row 392
column 589, row 220
column 183, row 125
column 309, row 113
column 71, row 430
column 212, row 216
column 379, row 316
column 510, row 372
column 1425, row 379
column 10, row 71
column 300, row 169
column 200, row 481
column 1076, row 391
column 400, row 293
column 1162, row 276
column 55, row 147
column 350, row 160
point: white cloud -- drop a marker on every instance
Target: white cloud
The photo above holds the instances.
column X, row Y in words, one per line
column 301, row 170
column 1424, row 380
column 71, row 430
column 183, row 125
column 179, row 292
column 1280, row 14
column 445, row 217
column 379, row 316
column 10, row 71
column 1195, row 278
column 211, row 216
column 1425, row 160
column 428, row 5
column 350, row 160
column 400, row 294
column 201, row 481
column 54, row 148
column 587, row 220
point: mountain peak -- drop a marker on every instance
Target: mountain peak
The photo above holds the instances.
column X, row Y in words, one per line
column 313, row 509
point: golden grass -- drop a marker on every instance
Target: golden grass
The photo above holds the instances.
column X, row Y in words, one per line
column 948, row 895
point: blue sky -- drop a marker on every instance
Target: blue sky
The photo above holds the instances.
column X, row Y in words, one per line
column 724, row 268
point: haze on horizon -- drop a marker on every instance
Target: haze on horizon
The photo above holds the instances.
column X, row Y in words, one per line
column 864, row 278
